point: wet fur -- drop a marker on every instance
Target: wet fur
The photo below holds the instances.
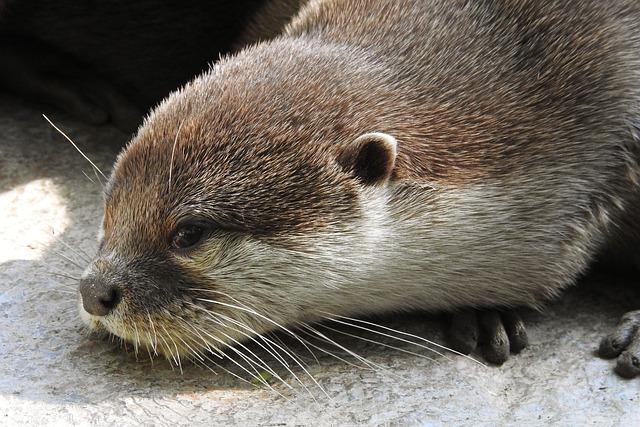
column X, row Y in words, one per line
column 517, row 163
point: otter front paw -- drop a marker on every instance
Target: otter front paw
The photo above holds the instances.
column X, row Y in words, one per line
column 624, row 343
column 498, row 334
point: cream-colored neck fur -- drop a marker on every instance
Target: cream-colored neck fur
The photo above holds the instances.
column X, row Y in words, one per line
column 438, row 248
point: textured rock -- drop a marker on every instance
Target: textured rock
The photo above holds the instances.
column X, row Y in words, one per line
column 53, row 373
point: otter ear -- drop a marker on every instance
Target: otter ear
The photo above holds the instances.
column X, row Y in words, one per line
column 370, row 157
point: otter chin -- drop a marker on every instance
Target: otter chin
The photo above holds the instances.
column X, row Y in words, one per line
column 378, row 156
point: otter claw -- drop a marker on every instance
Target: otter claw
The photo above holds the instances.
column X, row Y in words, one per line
column 624, row 343
column 498, row 334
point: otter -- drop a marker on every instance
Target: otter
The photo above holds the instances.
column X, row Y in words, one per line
column 380, row 156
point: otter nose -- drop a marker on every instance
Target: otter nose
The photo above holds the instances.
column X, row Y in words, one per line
column 98, row 297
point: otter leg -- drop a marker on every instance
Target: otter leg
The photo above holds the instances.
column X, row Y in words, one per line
column 624, row 343
column 496, row 333
column 464, row 331
column 516, row 331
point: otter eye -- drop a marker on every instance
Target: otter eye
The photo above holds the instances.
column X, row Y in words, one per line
column 187, row 236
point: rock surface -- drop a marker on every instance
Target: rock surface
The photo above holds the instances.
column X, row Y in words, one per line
column 52, row 372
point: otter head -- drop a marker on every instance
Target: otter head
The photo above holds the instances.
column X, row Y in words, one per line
column 219, row 225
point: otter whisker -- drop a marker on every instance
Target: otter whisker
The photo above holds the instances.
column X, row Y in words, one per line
column 210, row 348
column 136, row 342
column 173, row 151
column 249, row 361
column 176, row 357
column 123, row 343
column 239, row 377
column 260, row 362
column 63, row 285
column 291, row 354
column 170, row 353
column 75, row 146
column 333, row 354
column 282, row 343
column 250, row 310
column 204, row 365
column 64, row 291
column 400, row 339
column 378, row 343
column 345, row 352
column 60, row 254
column 255, row 376
column 146, row 346
column 66, row 276
column 232, row 373
column 216, row 316
column 193, row 352
column 207, row 344
column 79, row 253
column 57, row 270
column 335, row 317
column 350, row 352
column 98, row 179
column 275, row 323
column 268, row 342
column 87, row 176
column 385, row 335
column 149, row 342
column 272, row 352
column 155, row 335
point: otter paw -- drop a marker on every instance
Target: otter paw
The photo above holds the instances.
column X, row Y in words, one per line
column 624, row 343
column 497, row 334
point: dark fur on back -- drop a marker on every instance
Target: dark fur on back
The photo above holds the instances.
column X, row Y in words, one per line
column 497, row 84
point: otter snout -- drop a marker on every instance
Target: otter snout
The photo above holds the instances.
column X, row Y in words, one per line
column 99, row 297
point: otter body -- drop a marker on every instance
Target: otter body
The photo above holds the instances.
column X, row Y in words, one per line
column 378, row 156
